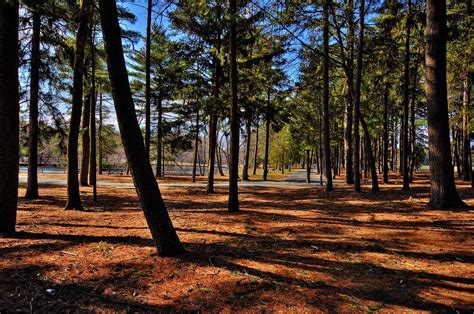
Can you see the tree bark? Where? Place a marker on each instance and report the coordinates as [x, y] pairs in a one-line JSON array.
[[148, 79], [385, 135], [267, 145], [255, 156], [443, 190], [358, 82], [233, 203], [9, 115], [412, 121], [406, 82], [73, 195], [159, 141], [92, 127], [466, 169], [84, 174], [326, 139], [213, 120], [370, 156], [245, 170], [196, 146], [32, 185], [101, 149], [308, 167], [350, 99], [158, 220]]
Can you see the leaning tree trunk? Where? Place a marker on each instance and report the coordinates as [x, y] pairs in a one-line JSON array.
[[326, 138], [245, 171], [443, 190], [466, 168], [358, 82], [73, 195], [406, 82], [233, 203], [219, 161], [86, 143], [159, 222], [9, 115], [32, 186]]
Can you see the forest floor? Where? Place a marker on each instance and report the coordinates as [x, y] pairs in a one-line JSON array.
[[288, 250]]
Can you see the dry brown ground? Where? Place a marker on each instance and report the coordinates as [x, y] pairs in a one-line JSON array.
[[298, 250]]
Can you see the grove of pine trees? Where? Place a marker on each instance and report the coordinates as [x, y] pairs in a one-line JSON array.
[[369, 96]]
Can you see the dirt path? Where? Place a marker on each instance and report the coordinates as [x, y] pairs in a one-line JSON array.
[[296, 179]]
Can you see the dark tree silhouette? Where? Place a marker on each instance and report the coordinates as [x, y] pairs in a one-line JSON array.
[[92, 128], [9, 115], [385, 135], [406, 82], [73, 194], [358, 83], [443, 189], [326, 138], [158, 220], [233, 204]]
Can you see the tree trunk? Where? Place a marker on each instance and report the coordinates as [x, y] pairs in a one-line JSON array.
[[456, 162], [267, 145], [196, 146], [219, 162], [412, 121], [73, 195], [308, 167], [233, 203], [395, 144], [245, 170], [326, 139], [400, 151], [32, 186], [217, 71], [158, 220], [358, 82], [370, 156], [406, 82], [148, 79], [466, 169], [84, 174], [159, 140], [255, 156], [443, 190], [350, 99], [385, 135], [9, 115], [92, 128], [100, 135]]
